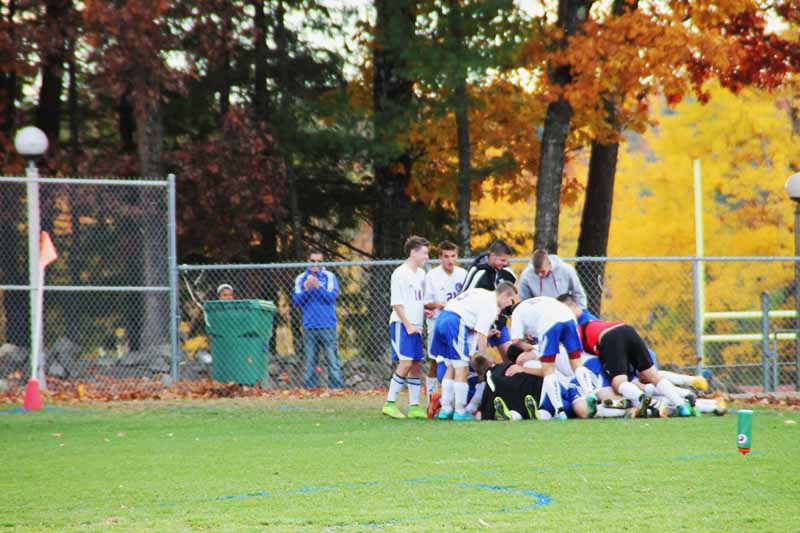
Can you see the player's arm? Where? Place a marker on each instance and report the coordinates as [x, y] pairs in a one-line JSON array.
[[411, 329]]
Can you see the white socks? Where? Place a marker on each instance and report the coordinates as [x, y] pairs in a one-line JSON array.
[[431, 386], [461, 392], [552, 390], [395, 386], [448, 395], [677, 379], [475, 402], [609, 412], [414, 388], [670, 391], [631, 391]]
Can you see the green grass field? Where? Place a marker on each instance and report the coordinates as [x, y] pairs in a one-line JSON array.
[[337, 464]]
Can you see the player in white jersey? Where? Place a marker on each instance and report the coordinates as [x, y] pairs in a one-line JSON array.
[[462, 331], [547, 323], [442, 284], [405, 328]]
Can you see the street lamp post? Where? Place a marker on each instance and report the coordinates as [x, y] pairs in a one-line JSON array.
[[31, 143], [793, 190]]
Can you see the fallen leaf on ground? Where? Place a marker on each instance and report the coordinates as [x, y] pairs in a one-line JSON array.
[[57, 435]]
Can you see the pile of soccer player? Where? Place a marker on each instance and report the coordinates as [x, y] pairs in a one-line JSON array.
[[558, 360]]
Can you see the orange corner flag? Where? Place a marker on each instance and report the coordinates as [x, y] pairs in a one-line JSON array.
[[47, 252]]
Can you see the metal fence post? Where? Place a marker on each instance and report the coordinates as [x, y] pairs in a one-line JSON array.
[[698, 315], [765, 338], [173, 275], [35, 280]]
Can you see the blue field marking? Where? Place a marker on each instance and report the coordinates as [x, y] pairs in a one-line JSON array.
[[540, 499], [21, 410]]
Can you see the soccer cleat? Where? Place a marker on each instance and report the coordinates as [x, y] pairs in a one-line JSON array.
[[699, 383], [391, 409], [591, 401], [691, 399], [658, 409], [466, 417], [722, 407], [532, 407], [617, 403], [445, 415], [415, 411], [684, 410], [561, 415], [501, 411], [434, 405], [644, 403]]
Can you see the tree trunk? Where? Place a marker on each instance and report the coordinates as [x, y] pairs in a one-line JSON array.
[[596, 220], [260, 104], [48, 111], [597, 208], [126, 124], [149, 142], [72, 105], [13, 266], [393, 99], [8, 84], [286, 122], [571, 14], [462, 128]]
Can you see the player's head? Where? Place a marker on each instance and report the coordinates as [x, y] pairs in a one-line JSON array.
[[481, 365], [416, 248], [314, 260], [499, 254], [448, 255], [513, 352], [505, 293], [225, 292], [570, 301], [541, 263]]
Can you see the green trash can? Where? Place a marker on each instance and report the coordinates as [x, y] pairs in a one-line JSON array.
[[239, 331]]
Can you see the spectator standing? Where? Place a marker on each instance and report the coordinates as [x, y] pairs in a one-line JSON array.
[[548, 275], [315, 292]]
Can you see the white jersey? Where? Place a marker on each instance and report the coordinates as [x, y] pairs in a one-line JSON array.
[[533, 317], [408, 289], [442, 287], [477, 308]]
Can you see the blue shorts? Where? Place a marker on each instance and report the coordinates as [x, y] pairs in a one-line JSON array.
[[561, 333], [405, 347], [451, 338], [501, 339]]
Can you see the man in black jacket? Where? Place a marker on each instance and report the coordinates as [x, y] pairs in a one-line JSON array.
[[486, 272]]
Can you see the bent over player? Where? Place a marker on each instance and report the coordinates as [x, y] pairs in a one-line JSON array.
[[464, 324]]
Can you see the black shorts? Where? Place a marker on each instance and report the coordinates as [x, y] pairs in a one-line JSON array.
[[511, 389], [622, 349]]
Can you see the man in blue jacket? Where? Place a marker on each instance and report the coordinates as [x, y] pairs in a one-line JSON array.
[[315, 292]]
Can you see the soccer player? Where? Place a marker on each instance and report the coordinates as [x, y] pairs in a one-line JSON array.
[[619, 348], [487, 272], [405, 328], [442, 284], [547, 323], [464, 325]]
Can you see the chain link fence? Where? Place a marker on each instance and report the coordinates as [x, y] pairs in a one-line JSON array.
[[115, 290], [107, 298], [655, 295]]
